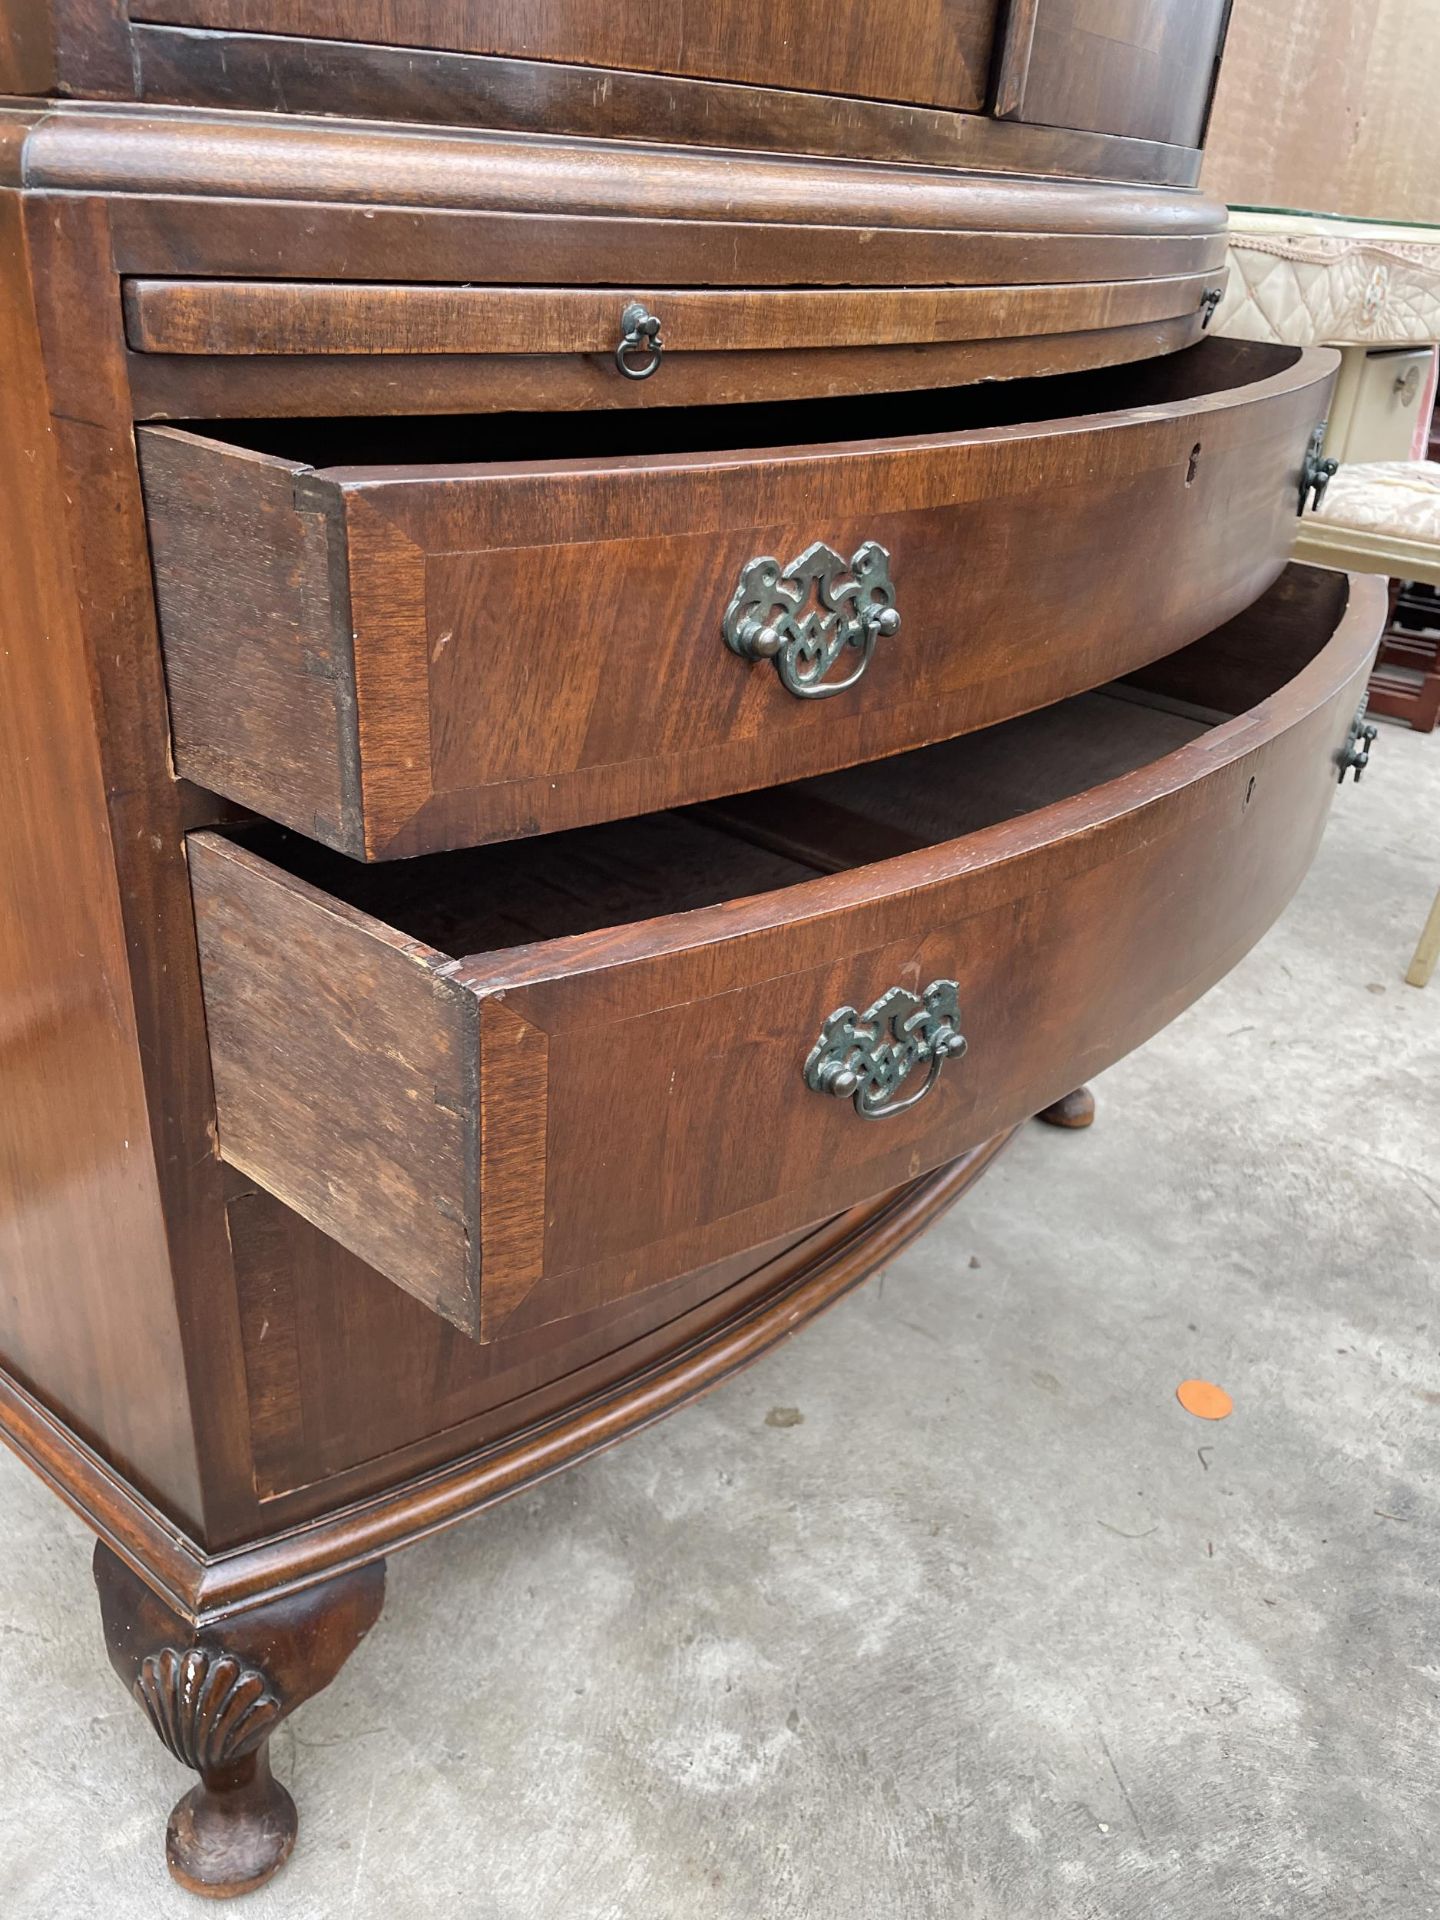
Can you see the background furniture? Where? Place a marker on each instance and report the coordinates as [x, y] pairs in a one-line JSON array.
[[1373, 291], [1427, 951], [1405, 684], [548, 825]]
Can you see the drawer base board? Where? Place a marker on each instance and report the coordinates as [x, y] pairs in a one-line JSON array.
[[206, 1589], [218, 1648]]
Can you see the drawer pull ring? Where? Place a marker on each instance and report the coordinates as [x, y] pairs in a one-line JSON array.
[[1315, 472], [770, 616], [640, 333], [1209, 301], [869, 1056]]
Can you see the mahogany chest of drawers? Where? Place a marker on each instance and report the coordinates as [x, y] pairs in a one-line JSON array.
[[630, 634]]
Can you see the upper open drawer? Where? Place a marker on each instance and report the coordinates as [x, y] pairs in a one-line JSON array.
[[399, 636]]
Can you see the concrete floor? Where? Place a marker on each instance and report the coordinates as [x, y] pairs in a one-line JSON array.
[[946, 1608]]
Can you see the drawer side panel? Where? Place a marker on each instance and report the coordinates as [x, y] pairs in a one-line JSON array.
[[255, 632], [345, 1073]]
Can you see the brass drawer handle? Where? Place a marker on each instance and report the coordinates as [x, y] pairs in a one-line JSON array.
[[767, 618], [1315, 473], [869, 1056], [1354, 756], [639, 333]]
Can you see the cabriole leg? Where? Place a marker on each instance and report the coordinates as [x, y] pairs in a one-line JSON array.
[[215, 1693]]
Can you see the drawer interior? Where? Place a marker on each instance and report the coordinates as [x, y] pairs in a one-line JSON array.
[[495, 899], [358, 447]]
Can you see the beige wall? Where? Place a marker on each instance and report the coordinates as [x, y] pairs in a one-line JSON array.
[[1332, 106]]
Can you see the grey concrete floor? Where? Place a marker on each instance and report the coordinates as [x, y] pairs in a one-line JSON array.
[[946, 1608]]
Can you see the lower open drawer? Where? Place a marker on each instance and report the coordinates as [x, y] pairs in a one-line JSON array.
[[528, 1080]]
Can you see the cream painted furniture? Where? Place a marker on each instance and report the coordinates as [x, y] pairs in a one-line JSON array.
[[1379, 516], [1373, 291], [1302, 279], [1427, 952]]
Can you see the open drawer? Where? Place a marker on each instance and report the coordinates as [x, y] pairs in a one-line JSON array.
[[524, 1082], [395, 646]]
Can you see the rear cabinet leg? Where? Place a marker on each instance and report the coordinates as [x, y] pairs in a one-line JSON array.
[[215, 1693], [1076, 1109]]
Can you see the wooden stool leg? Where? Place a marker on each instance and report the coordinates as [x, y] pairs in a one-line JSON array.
[[1075, 1109], [1428, 950], [215, 1693]]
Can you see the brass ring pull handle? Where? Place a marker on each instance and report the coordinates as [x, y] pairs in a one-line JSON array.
[[867, 1057], [640, 334], [770, 616]]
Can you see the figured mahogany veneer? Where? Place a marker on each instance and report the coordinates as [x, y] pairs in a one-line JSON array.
[[287, 74], [1093, 274], [395, 652], [507, 1078], [889, 49], [163, 152], [264, 317]]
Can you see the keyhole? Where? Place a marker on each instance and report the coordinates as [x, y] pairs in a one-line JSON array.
[[1194, 463]]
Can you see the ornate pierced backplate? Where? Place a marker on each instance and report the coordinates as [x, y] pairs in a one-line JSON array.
[[868, 1057], [813, 614]]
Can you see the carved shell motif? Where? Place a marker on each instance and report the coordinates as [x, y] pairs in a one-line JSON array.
[[207, 1707]]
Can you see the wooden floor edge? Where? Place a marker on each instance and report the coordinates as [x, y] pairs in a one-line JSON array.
[[206, 1587]]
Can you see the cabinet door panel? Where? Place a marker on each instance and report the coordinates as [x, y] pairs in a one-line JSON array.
[[1137, 67], [931, 51]]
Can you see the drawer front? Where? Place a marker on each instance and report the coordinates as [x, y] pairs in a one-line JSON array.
[[936, 51], [399, 661], [243, 318], [1390, 392], [552, 1128], [767, 279]]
